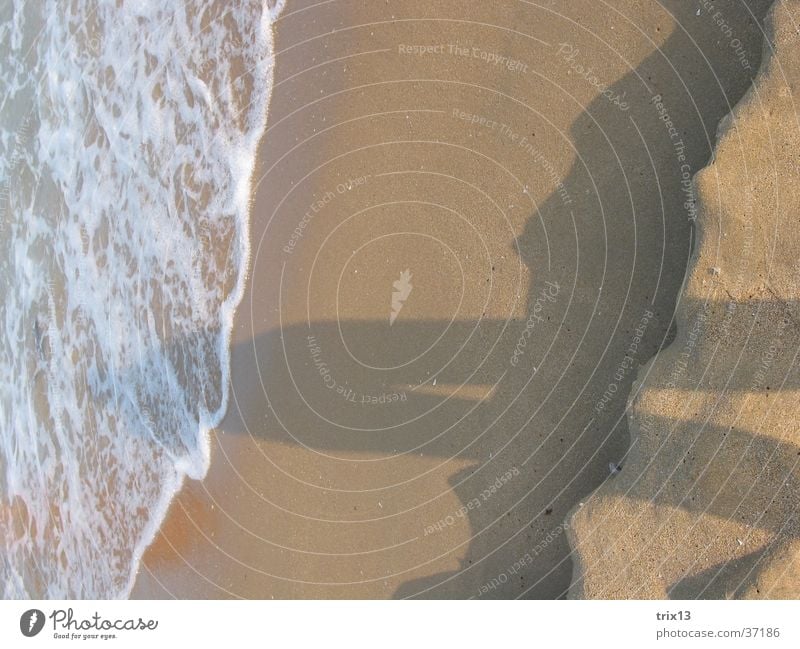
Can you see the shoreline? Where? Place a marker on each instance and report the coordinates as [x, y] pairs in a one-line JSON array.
[[229, 308]]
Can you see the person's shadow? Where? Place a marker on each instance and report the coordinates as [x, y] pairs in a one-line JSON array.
[[529, 397]]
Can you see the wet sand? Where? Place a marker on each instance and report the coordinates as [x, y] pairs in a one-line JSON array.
[[429, 433]]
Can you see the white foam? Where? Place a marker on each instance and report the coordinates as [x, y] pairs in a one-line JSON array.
[[128, 138]]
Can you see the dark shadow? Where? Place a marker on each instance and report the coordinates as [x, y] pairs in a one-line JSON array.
[[559, 458]]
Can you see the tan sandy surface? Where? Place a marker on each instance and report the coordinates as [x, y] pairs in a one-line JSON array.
[[539, 209], [708, 503]]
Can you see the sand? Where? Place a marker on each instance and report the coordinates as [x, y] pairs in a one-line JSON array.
[[708, 503], [440, 432]]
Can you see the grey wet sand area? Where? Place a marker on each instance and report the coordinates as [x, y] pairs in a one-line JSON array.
[[470, 228]]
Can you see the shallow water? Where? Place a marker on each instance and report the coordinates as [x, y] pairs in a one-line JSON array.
[[128, 135]]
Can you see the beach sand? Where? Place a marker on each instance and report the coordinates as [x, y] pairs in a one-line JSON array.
[[438, 443], [707, 505]]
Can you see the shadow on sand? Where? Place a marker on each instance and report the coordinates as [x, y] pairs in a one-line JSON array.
[[527, 394], [618, 248]]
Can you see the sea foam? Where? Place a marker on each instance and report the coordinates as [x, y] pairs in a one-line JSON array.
[[128, 136]]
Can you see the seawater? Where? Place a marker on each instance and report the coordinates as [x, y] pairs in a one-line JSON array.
[[128, 136]]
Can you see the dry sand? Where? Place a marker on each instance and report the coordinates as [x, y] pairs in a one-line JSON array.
[[708, 503], [540, 212]]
